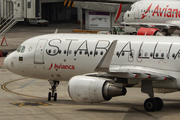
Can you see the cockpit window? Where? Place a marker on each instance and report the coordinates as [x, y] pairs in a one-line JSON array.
[[21, 49], [130, 8]]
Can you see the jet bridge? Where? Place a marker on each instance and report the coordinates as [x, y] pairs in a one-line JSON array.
[[12, 11]]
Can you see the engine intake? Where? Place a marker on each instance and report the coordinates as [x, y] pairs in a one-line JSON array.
[[93, 89]]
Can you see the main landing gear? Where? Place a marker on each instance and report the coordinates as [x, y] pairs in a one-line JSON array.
[[153, 103], [53, 84]]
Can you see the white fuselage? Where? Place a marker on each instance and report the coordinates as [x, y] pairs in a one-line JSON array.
[[62, 56], [153, 12]]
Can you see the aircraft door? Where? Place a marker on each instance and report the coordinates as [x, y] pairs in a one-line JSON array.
[[39, 52], [137, 11], [18, 9]]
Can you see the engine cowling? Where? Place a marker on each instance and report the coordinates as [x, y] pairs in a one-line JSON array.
[[149, 32], [93, 89]]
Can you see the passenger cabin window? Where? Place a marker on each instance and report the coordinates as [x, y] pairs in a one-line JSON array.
[[70, 51], [59, 51], [123, 53], [178, 55], [54, 51], [91, 52], [173, 55], [75, 52], [80, 52], [151, 54], [117, 53], [101, 53], [145, 54], [86, 52], [162, 54], [64, 51], [157, 54]]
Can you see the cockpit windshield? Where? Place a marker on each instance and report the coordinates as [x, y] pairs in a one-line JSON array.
[[21, 49], [18, 49], [130, 8]]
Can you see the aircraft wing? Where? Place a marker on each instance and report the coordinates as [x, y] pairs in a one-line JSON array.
[[131, 75], [167, 25]]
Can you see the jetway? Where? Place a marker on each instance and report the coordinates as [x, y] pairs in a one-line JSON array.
[[19, 8], [12, 11]]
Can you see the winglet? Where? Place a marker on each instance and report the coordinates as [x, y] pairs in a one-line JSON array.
[[105, 62], [56, 31]]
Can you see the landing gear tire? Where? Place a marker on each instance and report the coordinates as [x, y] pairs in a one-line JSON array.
[[150, 105], [49, 96], [53, 93], [55, 96], [160, 103]]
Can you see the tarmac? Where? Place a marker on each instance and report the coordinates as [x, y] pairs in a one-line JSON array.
[[26, 98]]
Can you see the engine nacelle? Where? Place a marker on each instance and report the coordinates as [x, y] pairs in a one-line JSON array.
[[149, 32], [93, 89]]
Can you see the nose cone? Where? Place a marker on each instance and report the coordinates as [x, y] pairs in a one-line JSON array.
[[125, 16], [6, 62]]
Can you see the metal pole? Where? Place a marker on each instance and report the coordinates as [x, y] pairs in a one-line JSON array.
[[81, 18]]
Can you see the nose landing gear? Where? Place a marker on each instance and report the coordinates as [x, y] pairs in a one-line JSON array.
[[53, 84]]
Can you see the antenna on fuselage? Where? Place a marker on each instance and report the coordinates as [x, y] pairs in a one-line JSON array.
[[56, 31]]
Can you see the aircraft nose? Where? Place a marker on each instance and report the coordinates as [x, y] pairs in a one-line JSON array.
[[125, 14], [6, 62]]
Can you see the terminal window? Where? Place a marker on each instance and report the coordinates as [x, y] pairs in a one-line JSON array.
[[29, 4]]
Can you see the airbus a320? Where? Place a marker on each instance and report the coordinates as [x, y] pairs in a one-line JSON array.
[[99, 67]]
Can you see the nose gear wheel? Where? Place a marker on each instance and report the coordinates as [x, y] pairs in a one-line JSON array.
[[53, 93]]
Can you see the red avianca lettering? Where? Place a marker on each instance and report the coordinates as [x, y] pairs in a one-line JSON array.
[[61, 66], [163, 12]]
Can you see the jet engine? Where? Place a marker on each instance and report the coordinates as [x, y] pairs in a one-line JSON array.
[[149, 32], [93, 89]]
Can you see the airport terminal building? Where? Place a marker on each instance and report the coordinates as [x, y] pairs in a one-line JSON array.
[[94, 15]]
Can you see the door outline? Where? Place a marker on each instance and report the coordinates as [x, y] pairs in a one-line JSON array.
[[39, 52], [137, 11]]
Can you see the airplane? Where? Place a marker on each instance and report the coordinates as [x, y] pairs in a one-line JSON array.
[[99, 67], [164, 15]]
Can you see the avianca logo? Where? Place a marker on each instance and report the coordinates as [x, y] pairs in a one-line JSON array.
[[148, 9], [61, 66], [163, 12]]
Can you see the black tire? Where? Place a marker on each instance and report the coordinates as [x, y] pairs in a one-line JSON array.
[[55, 97], [39, 24], [160, 103], [150, 105], [49, 96]]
